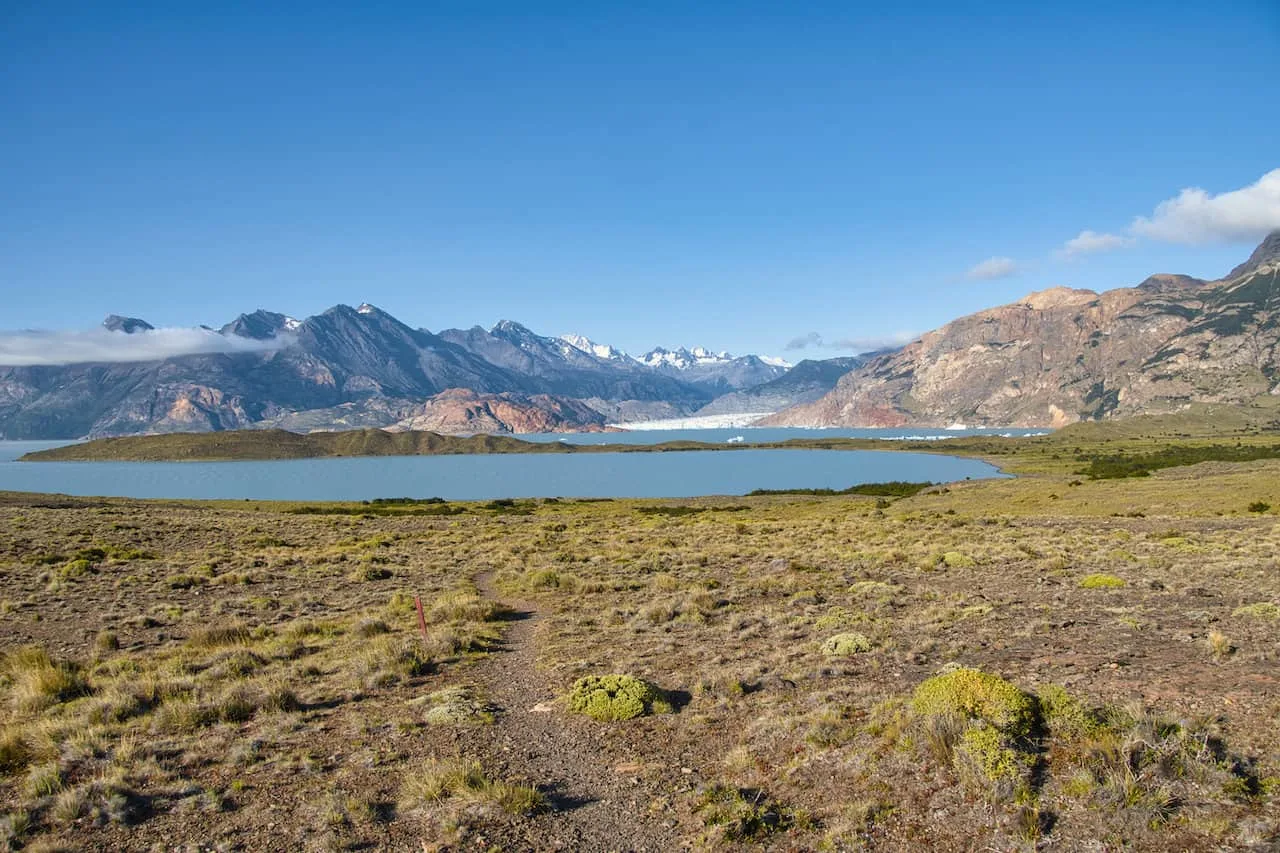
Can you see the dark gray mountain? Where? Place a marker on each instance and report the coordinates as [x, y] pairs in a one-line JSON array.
[[554, 366], [715, 373], [260, 325], [128, 325], [804, 383], [345, 365]]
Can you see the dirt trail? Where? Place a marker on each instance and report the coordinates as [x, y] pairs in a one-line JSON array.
[[587, 770]]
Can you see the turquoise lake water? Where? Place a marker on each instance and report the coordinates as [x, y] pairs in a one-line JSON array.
[[646, 475]]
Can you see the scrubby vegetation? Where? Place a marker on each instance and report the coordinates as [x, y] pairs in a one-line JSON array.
[[840, 672], [610, 698], [1118, 465], [892, 489]]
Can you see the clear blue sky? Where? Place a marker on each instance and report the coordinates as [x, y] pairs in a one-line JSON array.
[[734, 175]]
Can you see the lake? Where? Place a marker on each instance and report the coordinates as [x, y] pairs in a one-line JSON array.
[[641, 475]]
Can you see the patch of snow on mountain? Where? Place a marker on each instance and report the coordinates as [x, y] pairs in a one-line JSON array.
[[590, 347], [683, 358], [774, 361], [291, 325]]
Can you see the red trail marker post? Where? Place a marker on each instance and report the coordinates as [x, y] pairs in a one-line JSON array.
[[422, 619]]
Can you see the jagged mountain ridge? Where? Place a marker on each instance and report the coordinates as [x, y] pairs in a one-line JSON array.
[[346, 366], [717, 373], [1063, 355]]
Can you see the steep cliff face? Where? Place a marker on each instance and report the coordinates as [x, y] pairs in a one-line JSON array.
[[1063, 355]]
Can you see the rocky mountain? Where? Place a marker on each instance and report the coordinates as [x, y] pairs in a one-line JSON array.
[[804, 383], [554, 366], [1268, 252], [587, 345], [128, 325], [462, 411], [260, 325], [716, 373], [344, 367], [1063, 355]]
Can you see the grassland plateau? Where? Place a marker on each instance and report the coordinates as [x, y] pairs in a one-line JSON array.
[[1083, 657]]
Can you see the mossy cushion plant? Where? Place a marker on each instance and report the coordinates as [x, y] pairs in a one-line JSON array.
[[971, 694], [616, 697], [849, 643], [986, 723], [1101, 581]]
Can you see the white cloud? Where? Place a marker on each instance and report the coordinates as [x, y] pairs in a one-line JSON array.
[[1088, 242], [992, 268], [1194, 216], [37, 347]]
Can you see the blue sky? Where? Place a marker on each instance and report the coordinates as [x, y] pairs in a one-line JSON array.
[[731, 175]]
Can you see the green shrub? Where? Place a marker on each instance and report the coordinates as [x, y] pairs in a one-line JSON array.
[[76, 568], [616, 697], [984, 723], [1260, 610], [1259, 506], [970, 694], [983, 758], [744, 816], [1066, 716], [848, 643], [1101, 581], [370, 572]]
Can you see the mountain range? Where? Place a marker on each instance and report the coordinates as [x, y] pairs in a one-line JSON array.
[[1052, 358], [361, 367]]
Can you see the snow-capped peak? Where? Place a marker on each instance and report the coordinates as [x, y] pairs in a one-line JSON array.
[[774, 361], [365, 308], [291, 325], [682, 357], [590, 347]]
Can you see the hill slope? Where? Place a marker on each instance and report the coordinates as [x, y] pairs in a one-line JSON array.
[[1063, 355]]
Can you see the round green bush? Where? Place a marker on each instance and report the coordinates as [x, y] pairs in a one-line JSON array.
[[1101, 581], [616, 697], [849, 643], [970, 694]]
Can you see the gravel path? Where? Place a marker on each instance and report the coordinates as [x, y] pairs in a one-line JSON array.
[[593, 774]]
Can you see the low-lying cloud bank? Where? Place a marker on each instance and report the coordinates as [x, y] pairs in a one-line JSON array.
[[28, 348]]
